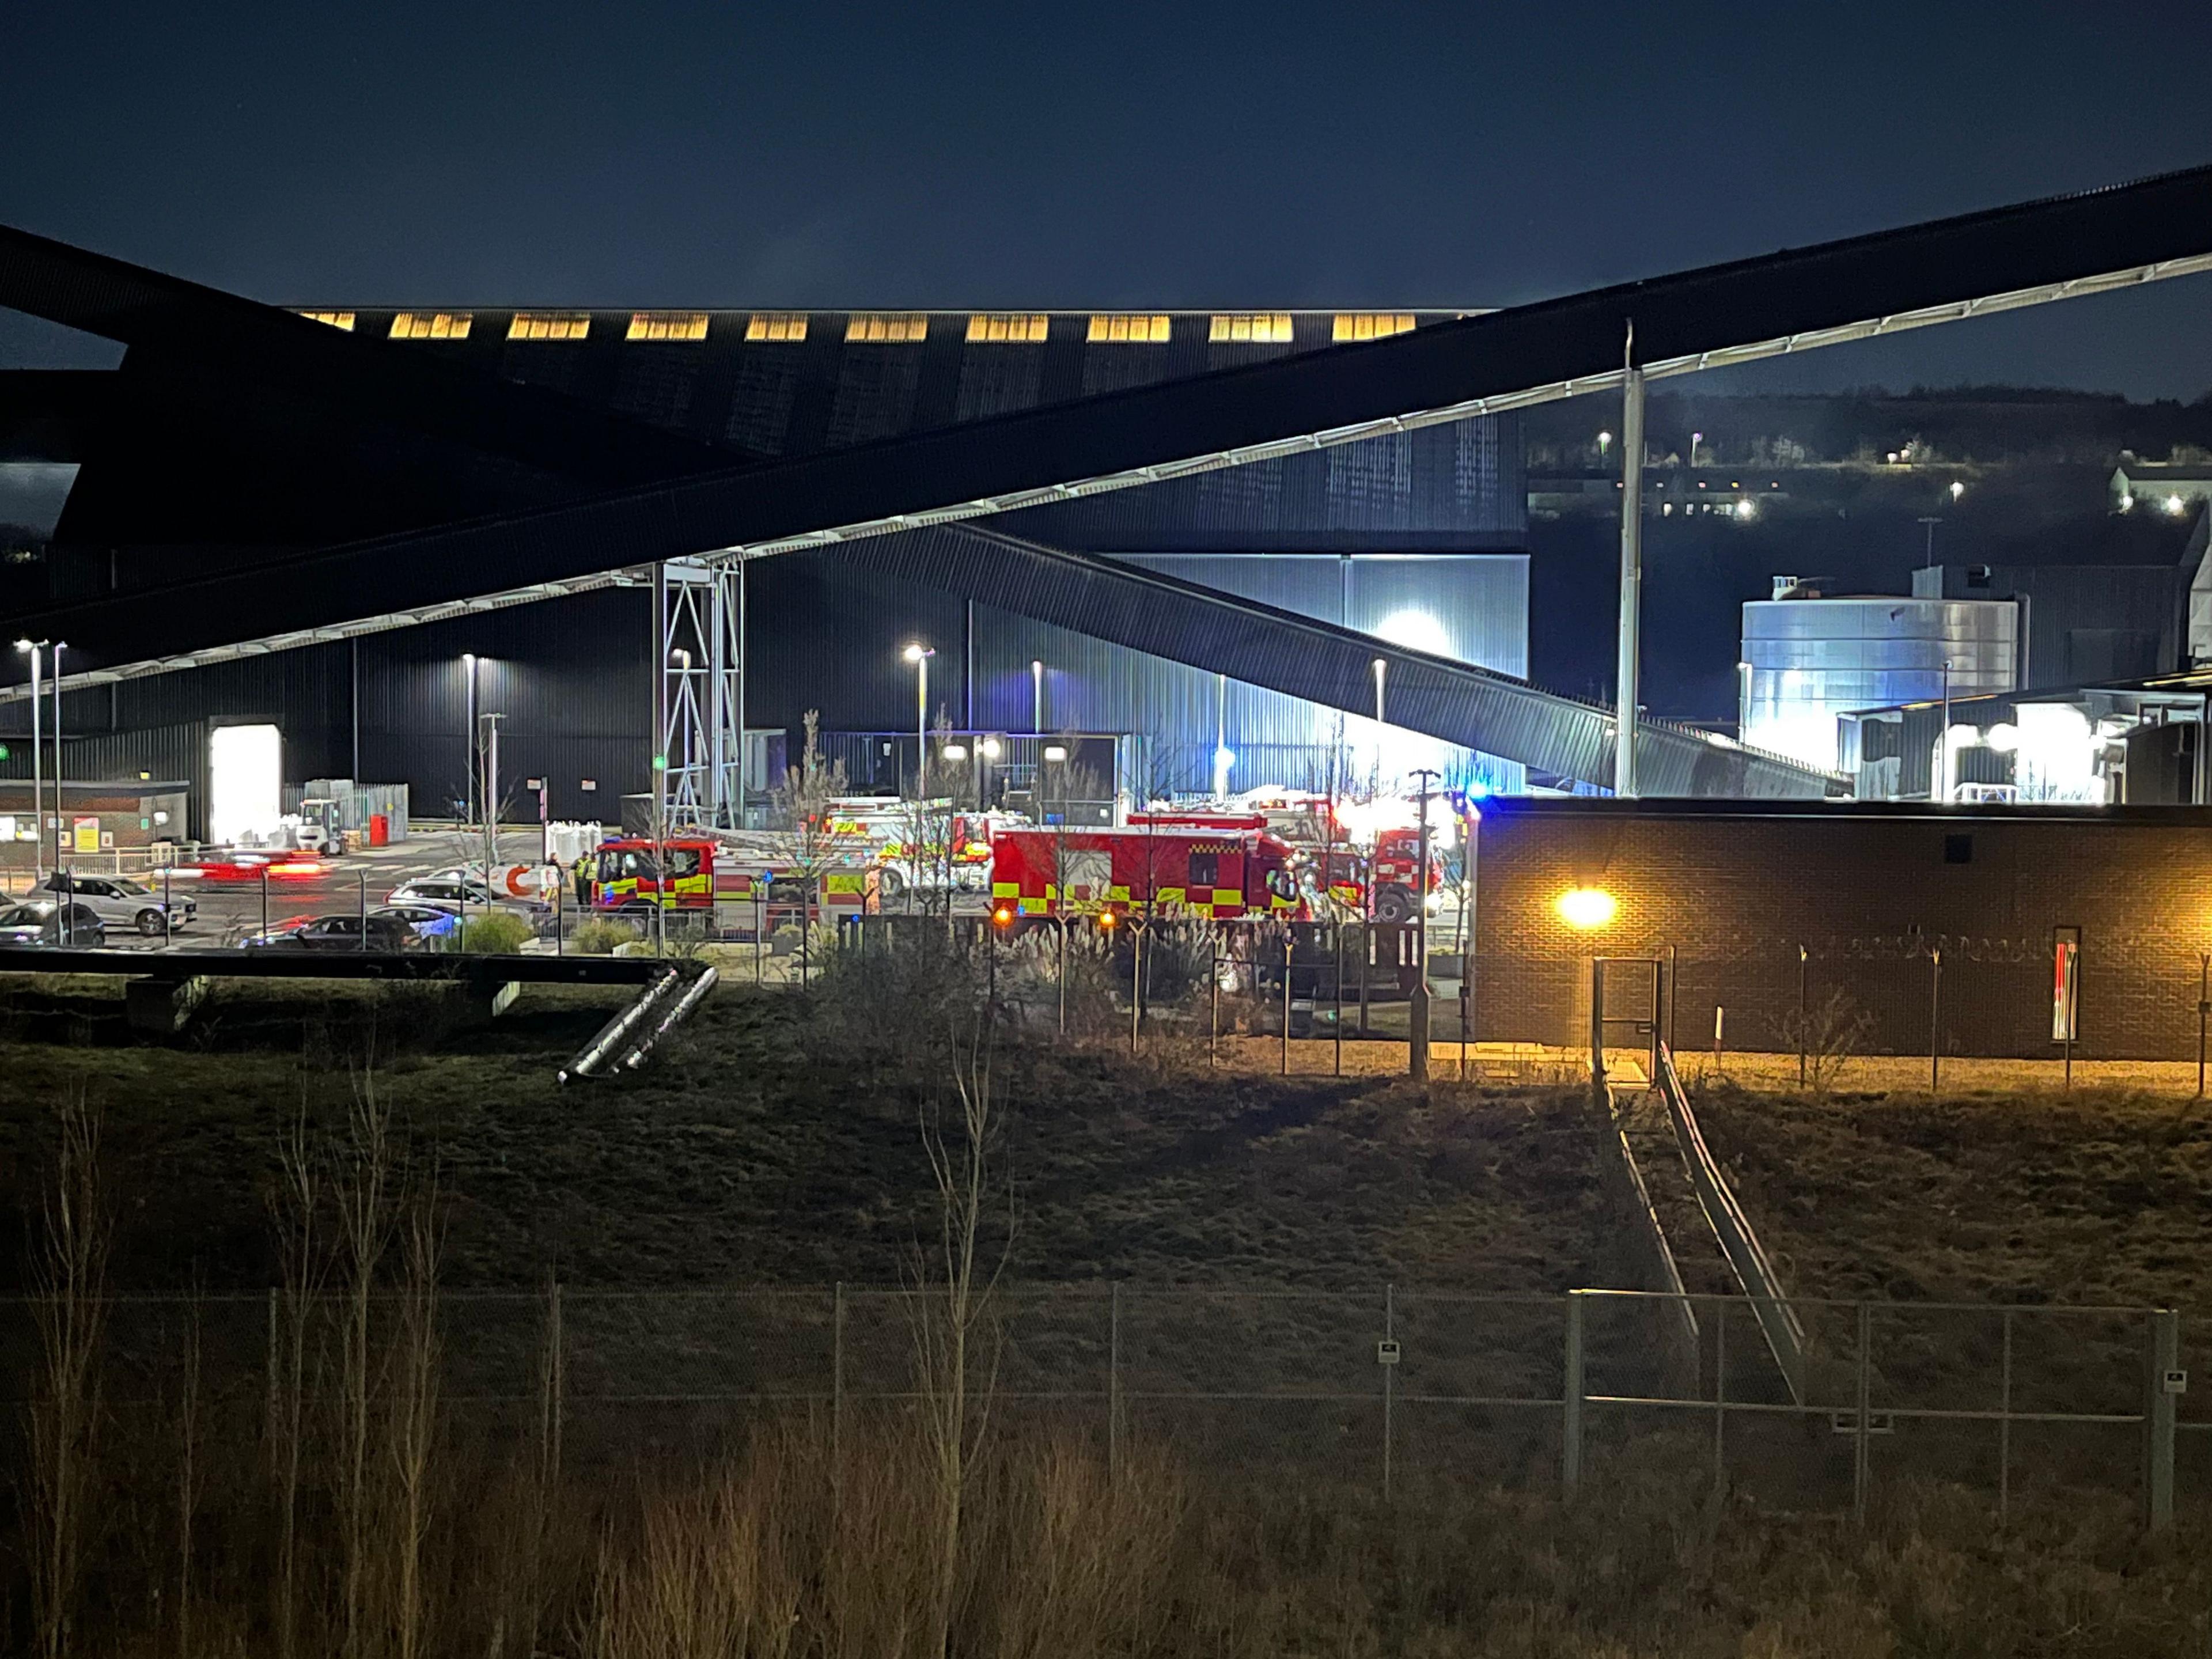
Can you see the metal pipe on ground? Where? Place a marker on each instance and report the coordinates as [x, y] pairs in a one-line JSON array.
[[594, 1054], [675, 1016]]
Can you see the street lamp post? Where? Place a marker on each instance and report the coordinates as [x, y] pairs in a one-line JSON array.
[[1418, 1014], [1036, 695], [469, 690], [31, 649], [61, 813], [918, 654]]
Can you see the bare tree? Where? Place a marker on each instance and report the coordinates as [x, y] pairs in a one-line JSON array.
[[1830, 1033], [68, 1274], [803, 799], [954, 1297]]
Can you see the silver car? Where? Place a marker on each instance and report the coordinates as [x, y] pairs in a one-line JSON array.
[[119, 902]]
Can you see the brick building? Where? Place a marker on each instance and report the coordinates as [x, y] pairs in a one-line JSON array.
[[1731, 890]]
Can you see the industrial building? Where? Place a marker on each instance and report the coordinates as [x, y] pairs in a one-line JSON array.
[[1414, 537], [374, 530]]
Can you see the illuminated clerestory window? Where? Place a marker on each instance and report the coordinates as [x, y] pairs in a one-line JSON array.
[[667, 326], [335, 318], [549, 326], [1371, 324], [1250, 328], [785, 326], [1016, 327], [1123, 330], [888, 328], [432, 326]]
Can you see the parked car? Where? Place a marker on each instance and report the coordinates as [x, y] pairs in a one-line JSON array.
[[45, 922], [338, 933], [119, 901], [427, 921], [454, 892]]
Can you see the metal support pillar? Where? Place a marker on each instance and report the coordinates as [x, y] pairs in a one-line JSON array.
[[700, 708], [663, 657], [1631, 570]]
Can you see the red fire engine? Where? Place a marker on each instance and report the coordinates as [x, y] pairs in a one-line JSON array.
[[1220, 867], [624, 874]]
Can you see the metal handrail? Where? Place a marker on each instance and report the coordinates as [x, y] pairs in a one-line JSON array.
[[1762, 1287]]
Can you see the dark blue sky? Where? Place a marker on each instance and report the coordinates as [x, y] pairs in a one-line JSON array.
[[823, 156]]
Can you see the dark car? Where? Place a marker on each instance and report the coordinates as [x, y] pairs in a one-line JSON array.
[[44, 922], [339, 932], [425, 921]]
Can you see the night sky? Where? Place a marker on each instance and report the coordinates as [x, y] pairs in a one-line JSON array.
[[1065, 156]]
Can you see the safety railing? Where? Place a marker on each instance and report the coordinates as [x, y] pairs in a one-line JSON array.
[[1778, 1321]]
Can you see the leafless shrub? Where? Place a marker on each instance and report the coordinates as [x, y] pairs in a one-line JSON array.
[[1830, 1034]]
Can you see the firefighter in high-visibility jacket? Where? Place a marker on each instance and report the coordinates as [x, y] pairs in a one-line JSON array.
[[586, 871]]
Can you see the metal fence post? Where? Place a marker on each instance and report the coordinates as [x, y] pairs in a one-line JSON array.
[[2159, 1415], [1389, 1391], [270, 1419], [837, 1375], [1287, 942], [1859, 1472], [1114, 1383], [1571, 1400], [1720, 1392], [2004, 1428]]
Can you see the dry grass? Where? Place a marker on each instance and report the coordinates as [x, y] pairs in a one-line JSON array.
[[2093, 1197]]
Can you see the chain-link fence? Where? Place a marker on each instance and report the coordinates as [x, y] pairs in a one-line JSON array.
[[1373, 1390]]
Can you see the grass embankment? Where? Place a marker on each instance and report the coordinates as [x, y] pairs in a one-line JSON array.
[[776, 1142], [345, 1504], [2100, 1196]]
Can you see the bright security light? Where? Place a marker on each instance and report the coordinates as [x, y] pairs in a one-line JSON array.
[[1957, 489], [245, 773], [917, 651], [1055, 752], [956, 751], [2174, 504], [1416, 630], [1587, 907], [989, 749]]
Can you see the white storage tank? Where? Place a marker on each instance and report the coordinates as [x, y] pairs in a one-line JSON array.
[[1808, 657]]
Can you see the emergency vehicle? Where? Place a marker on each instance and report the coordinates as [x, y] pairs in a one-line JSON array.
[[624, 874], [873, 828], [1219, 867], [1326, 857]]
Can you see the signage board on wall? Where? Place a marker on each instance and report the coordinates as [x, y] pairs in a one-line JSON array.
[[2066, 985]]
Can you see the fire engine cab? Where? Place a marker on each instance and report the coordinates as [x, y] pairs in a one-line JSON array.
[[1220, 867], [624, 874]]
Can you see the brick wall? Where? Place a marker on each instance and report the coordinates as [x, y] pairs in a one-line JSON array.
[[1870, 893]]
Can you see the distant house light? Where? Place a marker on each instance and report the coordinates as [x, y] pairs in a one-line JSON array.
[[886, 328], [1016, 328], [342, 319], [1124, 329], [776, 325], [1250, 328], [1378, 325], [432, 326], [667, 326], [549, 325]]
